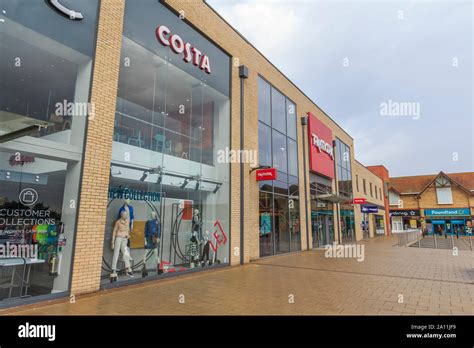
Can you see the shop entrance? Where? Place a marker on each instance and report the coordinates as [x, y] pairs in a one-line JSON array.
[[458, 227], [439, 227], [322, 227]]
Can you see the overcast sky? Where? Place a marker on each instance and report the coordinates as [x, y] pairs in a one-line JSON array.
[[351, 57]]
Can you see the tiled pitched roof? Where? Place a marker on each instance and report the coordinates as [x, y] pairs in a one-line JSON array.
[[412, 184]]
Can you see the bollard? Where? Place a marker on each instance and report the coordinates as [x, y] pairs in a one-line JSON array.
[[452, 242], [470, 242], [419, 240], [436, 242]]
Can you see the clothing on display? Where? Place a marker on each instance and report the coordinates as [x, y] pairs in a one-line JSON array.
[[120, 245], [152, 233], [126, 207], [205, 252], [193, 251], [129, 210], [122, 228]]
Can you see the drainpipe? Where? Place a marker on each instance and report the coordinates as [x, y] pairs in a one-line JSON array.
[[243, 74], [304, 122]]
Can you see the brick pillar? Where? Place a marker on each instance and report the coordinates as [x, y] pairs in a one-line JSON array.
[[98, 150]]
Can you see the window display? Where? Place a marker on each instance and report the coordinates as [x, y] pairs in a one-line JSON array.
[[166, 181], [44, 65]]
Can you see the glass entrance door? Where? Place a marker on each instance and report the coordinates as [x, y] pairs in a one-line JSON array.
[[439, 227], [458, 227], [322, 227]]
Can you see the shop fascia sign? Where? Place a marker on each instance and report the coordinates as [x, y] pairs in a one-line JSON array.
[[359, 201], [322, 145], [369, 209], [405, 213], [178, 46], [445, 212], [266, 174]]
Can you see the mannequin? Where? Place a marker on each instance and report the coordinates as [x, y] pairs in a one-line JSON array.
[[193, 251], [196, 223], [120, 237], [205, 251], [129, 210], [152, 241]]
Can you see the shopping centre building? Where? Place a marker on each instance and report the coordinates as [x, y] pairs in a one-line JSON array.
[[441, 204], [127, 134]]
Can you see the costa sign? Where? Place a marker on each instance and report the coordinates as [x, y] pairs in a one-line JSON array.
[[320, 150], [178, 46]]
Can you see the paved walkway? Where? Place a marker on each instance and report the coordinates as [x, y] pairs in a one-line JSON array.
[[391, 280]]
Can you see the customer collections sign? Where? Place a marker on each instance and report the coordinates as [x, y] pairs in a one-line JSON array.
[[321, 150]]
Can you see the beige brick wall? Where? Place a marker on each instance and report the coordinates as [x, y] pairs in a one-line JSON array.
[[407, 202], [361, 173], [98, 151]]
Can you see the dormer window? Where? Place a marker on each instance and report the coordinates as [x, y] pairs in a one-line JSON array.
[[443, 191]]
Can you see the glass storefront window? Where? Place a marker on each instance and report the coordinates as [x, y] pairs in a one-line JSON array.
[[278, 148], [168, 205], [295, 230], [266, 223], [278, 111], [45, 73], [292, 158], [344, 184], [281, 215], [291, 119], [264, 144], [264, 102]]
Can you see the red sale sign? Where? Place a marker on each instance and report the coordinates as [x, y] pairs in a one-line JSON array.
[[321, 153], [266, 174]]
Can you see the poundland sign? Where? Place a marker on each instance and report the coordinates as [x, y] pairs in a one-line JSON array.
[[447, 212], [178, 46]]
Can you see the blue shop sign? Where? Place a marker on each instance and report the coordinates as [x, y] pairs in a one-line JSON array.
[[448, 212], [369, 209]]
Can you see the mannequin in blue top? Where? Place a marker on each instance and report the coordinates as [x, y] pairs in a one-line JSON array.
[[129, 209], [152, 241]]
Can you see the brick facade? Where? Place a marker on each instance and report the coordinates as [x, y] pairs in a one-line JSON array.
[[359, 175]]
